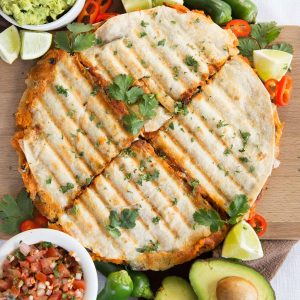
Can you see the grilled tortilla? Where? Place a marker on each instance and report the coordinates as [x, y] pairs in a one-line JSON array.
[[227, 139], [69, 131], [172, 52], [164, 234]]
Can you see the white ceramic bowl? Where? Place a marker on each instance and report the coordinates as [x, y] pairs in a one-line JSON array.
[[65, 19], [60, 239]]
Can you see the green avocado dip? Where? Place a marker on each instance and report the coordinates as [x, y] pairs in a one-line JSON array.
[[35, 12]]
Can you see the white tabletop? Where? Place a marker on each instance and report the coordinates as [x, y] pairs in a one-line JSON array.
[[287, 281]]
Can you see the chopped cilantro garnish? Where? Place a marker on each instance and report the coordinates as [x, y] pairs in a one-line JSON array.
[[194, 184], [180, 108], [161, 42], [67, 187], [132, 123], [221, 123], [49, 180], [155, 220], [171, 126], [191, 62], [128, 152], [61, 90], [142, 34], [147, 105], [151, 247]]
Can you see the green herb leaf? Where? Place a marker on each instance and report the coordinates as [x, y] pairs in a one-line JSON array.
[[191, 62], [14, 211], [120, 85], [132, 123], [194, 184], [79, 27], [161, 42], [83, 41], [238, 207], [128, 152], [62, 41], [265, 33], [133, 94], [155, 220], [151, 247], [180, 108], [247, 46], [128, 218], [74, 210], [67, 187], [209, 218], [61, 90], [114, 232], [283, 47], [148, 105]]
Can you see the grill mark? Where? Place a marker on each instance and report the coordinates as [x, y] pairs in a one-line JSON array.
[[182, 150], [221, 141], [227, 97], [86, 137], [154, 208], [100, 226], [164, 196], [120, 195], [66, 138], [213, 158]]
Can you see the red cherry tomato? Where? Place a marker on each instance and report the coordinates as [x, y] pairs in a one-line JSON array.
[[283, 94], [258, 223], [240, 28], [27, 225], [40, 221]]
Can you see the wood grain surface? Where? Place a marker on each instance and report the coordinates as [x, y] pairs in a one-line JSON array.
[[281, 200]]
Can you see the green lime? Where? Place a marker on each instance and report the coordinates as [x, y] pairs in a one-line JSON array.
[[35, 44], [242, 243], [10, 44], [271, 64]]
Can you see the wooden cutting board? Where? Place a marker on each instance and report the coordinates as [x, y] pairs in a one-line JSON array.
[[281, 201]]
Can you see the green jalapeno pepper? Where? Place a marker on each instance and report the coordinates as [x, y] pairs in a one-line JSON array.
[[218, 10], [243, 9], [118, 286]]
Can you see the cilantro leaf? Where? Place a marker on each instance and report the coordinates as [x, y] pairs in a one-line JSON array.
[[79, 27], [247, 46], [151, 247], [128, 218], [265, 33], [14, 211], [62, 41], [83, 41], [117, 90], [132, 123], [148, 105], [210, 218], [191, 62], [237, 208], [134, 94], [114, 232], [283, 47]]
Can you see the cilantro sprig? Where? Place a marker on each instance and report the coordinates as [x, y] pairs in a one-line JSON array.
[[122, 90], [77, 39], [126, 219], [262, 34], [13, 211], [211, 218]]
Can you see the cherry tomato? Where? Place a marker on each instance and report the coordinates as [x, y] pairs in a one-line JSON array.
[[283, 93], [272, 87], [40, 221], [79, 284], [258, 223], [240, 28], [89, 12], [104, 16], [27, 225]]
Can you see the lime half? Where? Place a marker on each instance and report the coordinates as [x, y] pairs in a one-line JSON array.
[[271, 64], [242, 243], [10, 44], [35, 44]]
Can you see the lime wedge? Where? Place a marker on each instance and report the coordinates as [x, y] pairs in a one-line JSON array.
[[271, 64], [133, 5], [242, 243], [10, 44], [35, 44]]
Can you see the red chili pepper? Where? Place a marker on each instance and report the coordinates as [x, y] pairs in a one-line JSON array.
[[272, 87], [27, 225], [104, 5], [104, 16], [89, 12], [284, 89], [258, 223], [240, 28]]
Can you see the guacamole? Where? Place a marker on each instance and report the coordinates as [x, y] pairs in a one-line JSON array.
[[35, 12]]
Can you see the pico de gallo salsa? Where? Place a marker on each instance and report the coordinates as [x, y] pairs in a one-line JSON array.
[[42, 271]]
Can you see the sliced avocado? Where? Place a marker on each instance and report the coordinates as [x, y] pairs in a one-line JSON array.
[[206, 274], [175, 288]]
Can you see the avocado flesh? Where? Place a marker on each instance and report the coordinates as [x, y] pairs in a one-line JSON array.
[[175, 288], [205, 274]]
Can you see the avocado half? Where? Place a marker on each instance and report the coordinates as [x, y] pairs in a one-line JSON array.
[[205, 275]]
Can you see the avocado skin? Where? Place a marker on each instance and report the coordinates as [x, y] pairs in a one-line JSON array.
[[205, 274]]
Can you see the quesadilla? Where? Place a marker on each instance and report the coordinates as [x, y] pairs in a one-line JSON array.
[[69, 131], [172, 52], [161, 231], [226, 140]]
